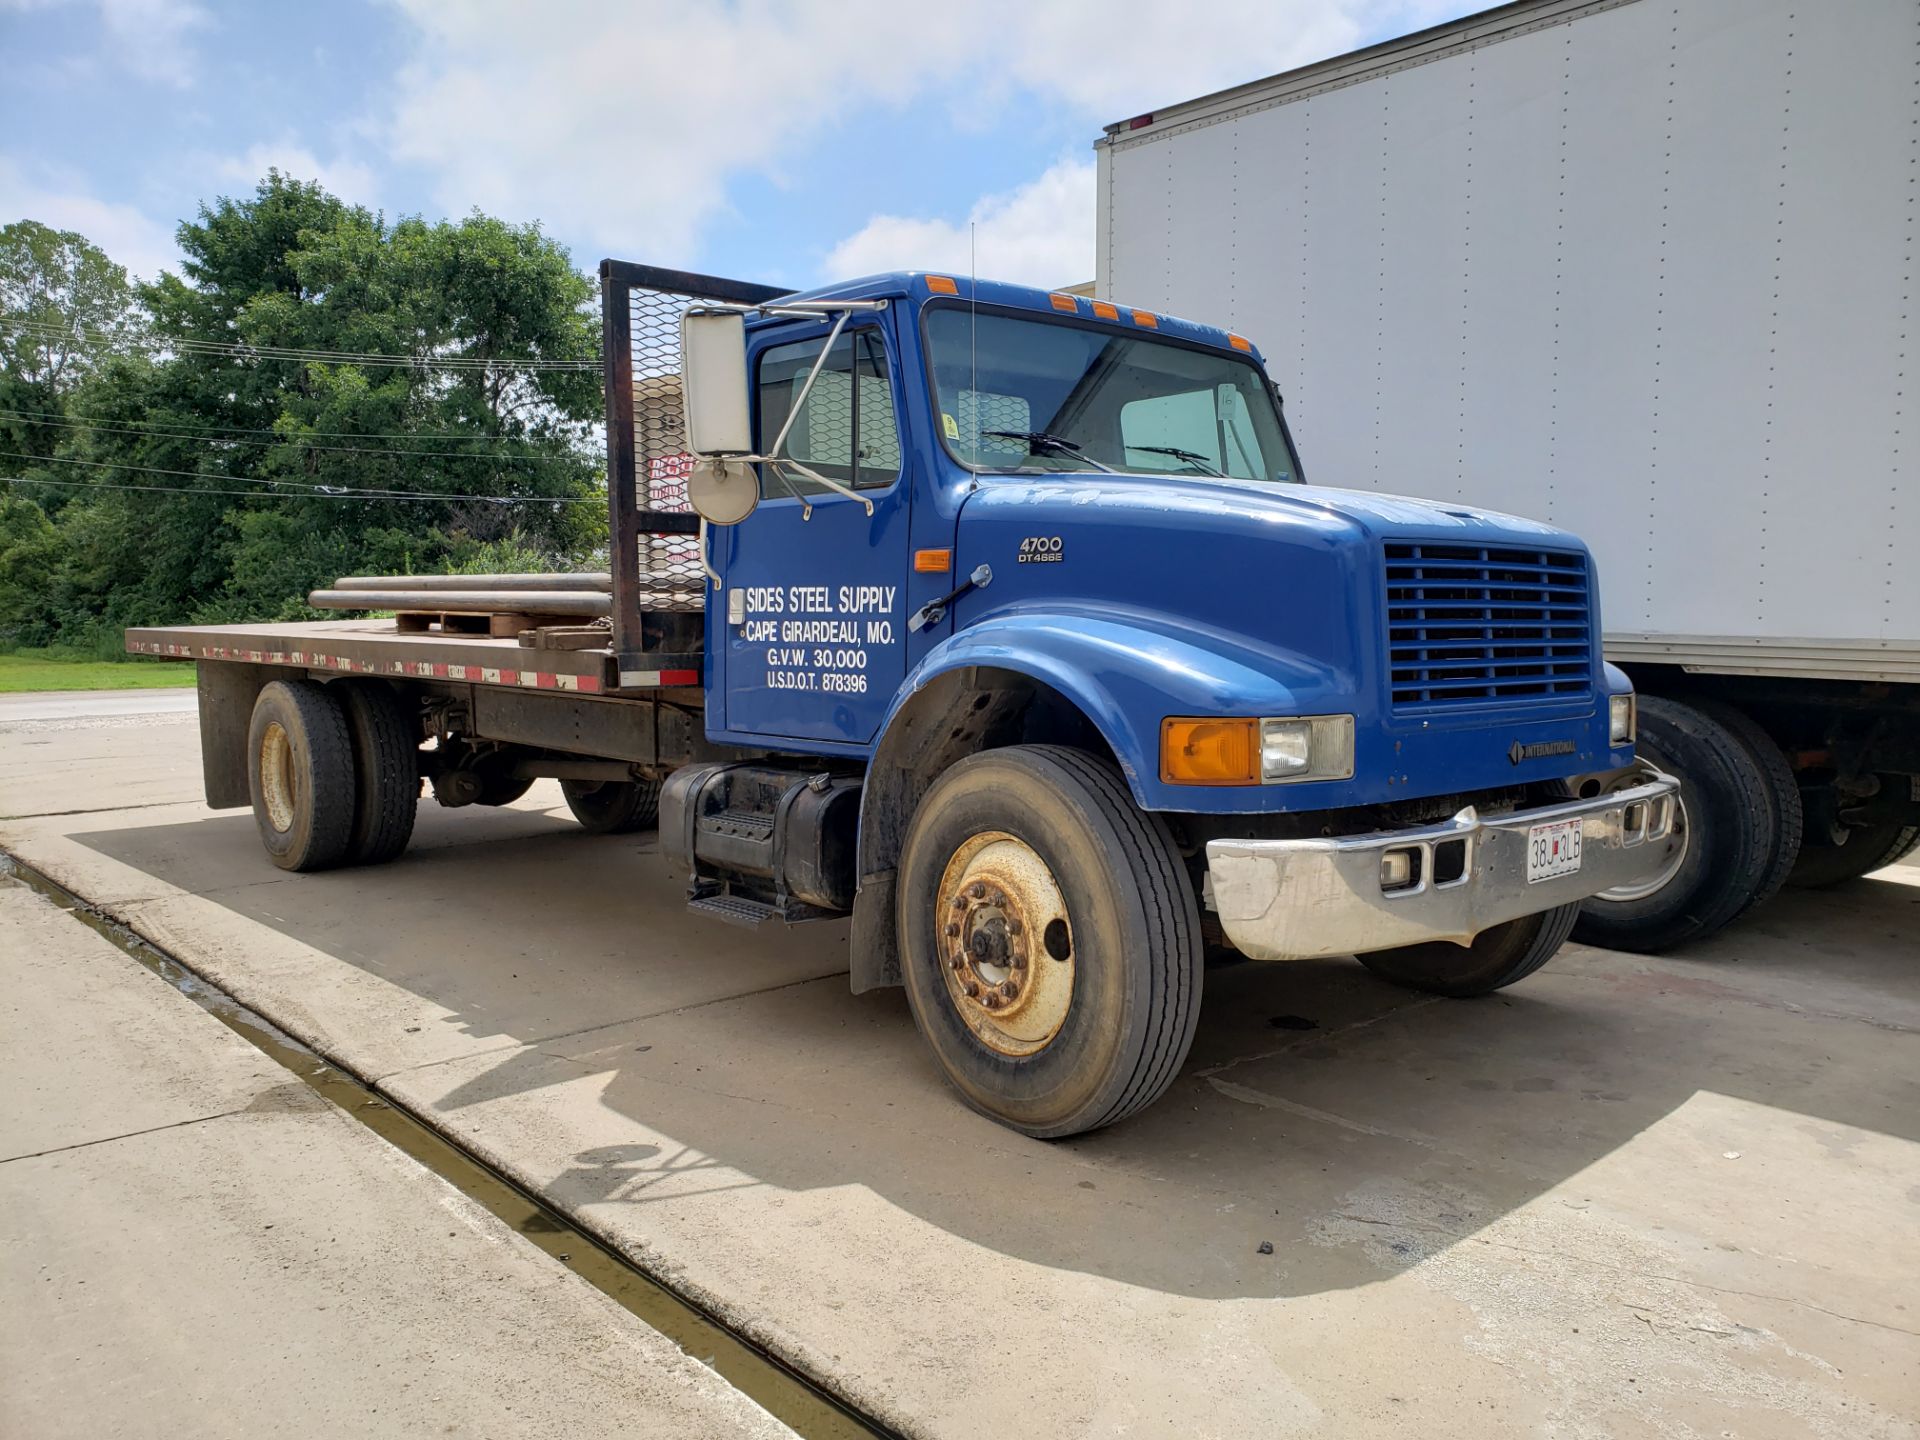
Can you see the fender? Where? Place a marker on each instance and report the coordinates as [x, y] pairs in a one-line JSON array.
[[1116, 671]]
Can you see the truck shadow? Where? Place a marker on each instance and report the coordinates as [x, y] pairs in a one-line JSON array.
[[1355, 1128]]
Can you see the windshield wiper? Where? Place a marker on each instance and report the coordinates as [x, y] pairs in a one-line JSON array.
[[1196, 460], [1041, 440]]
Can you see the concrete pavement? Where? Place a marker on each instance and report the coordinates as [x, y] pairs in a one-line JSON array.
[[94, 704], [198, 1244], [1630, 1196]]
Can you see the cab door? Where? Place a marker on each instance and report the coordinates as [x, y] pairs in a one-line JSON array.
[[814, 596]]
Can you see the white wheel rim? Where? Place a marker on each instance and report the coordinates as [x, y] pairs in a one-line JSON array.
[[279, 786], [1677, 842], [1005, 943]]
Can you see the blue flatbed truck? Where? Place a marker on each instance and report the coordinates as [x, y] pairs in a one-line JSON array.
[[1004, 622]]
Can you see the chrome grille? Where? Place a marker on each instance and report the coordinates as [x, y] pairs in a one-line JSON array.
[[1473, 624]]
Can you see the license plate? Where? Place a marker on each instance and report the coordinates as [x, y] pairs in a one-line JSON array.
[[1553, 850]]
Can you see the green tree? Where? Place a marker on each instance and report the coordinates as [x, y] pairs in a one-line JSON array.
[[62, 302], [311, 372]]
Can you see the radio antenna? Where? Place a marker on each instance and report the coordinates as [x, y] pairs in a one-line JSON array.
[[973, 337]]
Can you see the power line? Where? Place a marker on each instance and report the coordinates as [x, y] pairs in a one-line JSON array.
[[329, 434], [317, 487], [255, 495], [246, 349], [301, 442]]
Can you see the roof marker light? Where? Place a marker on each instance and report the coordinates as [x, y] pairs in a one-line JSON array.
[[1146, 318], [1240, 342], [1065, 302], [941, 285], [1105, 311]]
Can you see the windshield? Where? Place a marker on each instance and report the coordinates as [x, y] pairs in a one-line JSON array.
[[1034, 394]]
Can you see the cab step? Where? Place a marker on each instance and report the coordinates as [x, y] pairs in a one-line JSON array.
[[736, 910]]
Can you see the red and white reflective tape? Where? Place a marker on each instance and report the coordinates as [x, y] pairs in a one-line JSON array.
[[411, 669], [654, 679]]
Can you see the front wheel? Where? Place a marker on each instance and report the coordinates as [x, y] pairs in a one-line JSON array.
[[1050, 940], [1496, 958]]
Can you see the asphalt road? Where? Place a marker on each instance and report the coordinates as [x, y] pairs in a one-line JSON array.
[[1631, 1196]]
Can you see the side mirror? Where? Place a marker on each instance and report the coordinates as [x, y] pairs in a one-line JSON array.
[[713, 383]]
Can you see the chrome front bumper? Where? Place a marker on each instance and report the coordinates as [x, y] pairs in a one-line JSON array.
[[1300, 899]]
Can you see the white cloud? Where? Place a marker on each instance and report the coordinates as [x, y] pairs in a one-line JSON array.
[[144, 245], [348, 179], [149, 38], [1040, 234], [624, 124]]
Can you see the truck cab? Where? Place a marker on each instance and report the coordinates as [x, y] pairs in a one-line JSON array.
[[1037, 583]]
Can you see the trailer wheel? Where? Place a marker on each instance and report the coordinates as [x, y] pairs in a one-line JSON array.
[[1729, 824], [613, 807], [300, 774], [1496, 958], [1866, 849], [386, 755], [1050, 939]]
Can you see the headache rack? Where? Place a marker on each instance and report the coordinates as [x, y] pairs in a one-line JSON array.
[[1481, 624], [658, 596]]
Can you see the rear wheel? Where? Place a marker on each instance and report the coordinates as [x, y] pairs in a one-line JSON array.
[[1050, 940], [386, 754], [1495, 960], [1826, 861], [1728, 835], [613, 807], [300, 774]]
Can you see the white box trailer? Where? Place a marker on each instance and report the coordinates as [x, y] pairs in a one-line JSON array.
[[1644, 269]]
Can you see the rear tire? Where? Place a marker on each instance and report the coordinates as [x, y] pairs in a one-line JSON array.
[[1729, 819], [1868, 848], [613, 807], [1496, 958], [300, 774], [386, 754], [1030, 876]]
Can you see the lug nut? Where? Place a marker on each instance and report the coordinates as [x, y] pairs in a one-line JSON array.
[[959, 902], [1014, 927], [992, 1002], [972, 988], [1009, 989], [953, 928], [959, 962], [977, 890], [1019, 961]]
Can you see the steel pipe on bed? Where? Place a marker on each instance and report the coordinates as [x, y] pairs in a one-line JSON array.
[[468, 602], [601, 581]]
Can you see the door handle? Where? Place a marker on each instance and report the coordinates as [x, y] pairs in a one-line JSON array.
[[934, 611]]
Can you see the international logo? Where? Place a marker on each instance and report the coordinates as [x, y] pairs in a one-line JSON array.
[[1539, 749]]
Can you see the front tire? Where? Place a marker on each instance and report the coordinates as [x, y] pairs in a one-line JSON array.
[[1496, 959], [1050, 940], [300, 773]]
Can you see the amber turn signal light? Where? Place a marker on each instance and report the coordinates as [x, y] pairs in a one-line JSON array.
[[1210, 752], [932, 562]]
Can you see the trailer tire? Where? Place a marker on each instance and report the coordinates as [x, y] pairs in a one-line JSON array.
[[1868, 848], [1496, 958], [386, 757], [1730, 822], [1031, 867], [1781, 788], [613, 807], [300, 775]]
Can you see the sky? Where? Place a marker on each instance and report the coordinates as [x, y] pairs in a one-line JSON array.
[[786, 141]]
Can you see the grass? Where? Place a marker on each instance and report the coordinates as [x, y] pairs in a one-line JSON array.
[[23, 670]]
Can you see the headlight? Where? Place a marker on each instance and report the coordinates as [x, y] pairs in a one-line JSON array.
[[1248, 751], [1622, 718], [1309, 747]]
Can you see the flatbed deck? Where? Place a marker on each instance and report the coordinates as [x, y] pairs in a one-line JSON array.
[[376, 647]]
